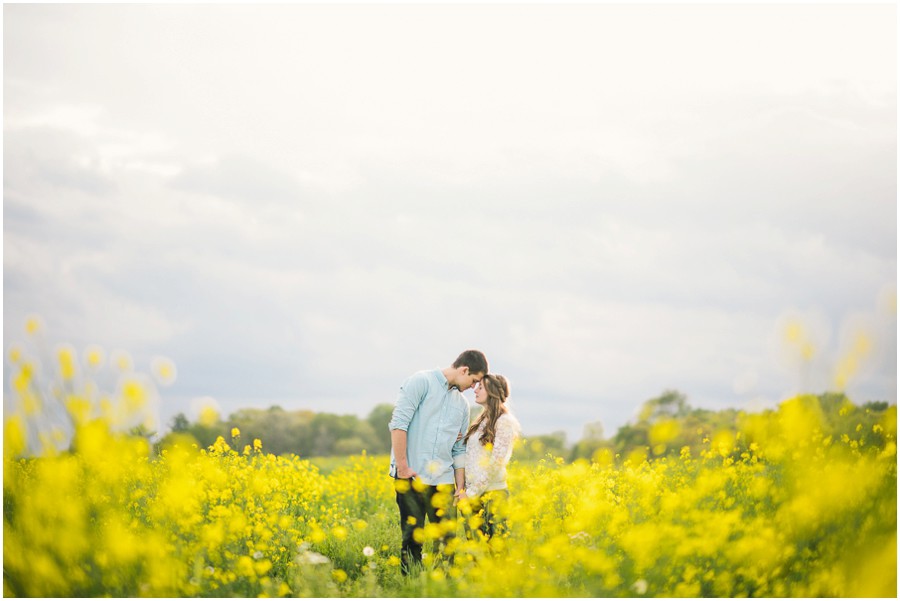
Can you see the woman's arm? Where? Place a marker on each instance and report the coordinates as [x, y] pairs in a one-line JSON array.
[[493, 459], [503, 442]]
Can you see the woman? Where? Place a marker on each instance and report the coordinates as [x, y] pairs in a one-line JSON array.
[[489, 446]]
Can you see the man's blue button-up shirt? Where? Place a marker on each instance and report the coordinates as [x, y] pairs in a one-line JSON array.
[[434, 417]]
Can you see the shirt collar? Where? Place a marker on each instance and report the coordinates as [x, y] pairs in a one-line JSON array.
[[443, 380]]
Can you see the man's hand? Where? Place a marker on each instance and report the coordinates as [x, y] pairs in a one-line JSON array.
[[404, 471], [398, 446]]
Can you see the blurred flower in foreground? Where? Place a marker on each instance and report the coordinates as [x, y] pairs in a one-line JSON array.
[[15, 354], [33, 325], [65, 353], [859, 349], [94, 357], [163, 369], [206, 409], [797, 337], [54, 389], [121, 360]]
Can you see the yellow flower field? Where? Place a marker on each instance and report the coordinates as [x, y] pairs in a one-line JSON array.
[[786, 514], [774, 508]]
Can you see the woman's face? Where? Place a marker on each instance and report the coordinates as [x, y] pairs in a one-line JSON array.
[[481, 395]]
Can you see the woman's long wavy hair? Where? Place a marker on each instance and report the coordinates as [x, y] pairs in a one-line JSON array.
[[498, 391]]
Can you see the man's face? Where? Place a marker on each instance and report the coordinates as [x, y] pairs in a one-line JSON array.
[[467, 380]]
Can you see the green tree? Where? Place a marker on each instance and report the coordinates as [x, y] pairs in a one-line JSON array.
[[591, 441], [378, 419], [533, 448], [180, 423], [670, 404]]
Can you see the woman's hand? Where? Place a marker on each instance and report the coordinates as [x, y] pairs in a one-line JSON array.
[[462, 501]]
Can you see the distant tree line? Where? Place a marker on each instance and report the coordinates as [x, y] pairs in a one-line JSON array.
[[304, 433], [665, 424]]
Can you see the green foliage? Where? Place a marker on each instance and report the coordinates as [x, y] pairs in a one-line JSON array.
[[667, 424], [378, 419], [303, 433], [533, 448]]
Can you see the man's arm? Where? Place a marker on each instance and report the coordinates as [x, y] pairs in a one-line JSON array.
[[411, 393], [459, 454], [398, 444]]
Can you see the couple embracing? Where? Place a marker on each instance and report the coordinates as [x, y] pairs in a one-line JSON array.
[[439, 460]]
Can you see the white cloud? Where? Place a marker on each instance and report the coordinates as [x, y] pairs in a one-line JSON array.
[[308, 202]]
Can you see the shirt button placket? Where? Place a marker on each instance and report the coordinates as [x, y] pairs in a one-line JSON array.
[[437, 434]]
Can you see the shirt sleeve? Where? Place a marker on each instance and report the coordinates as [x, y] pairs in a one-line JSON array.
[[412, 391], [459, 447]]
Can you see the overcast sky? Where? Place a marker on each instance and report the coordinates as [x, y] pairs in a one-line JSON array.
[[302, 205]]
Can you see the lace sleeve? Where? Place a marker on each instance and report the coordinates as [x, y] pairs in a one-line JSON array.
[[477, 475], [491, 460], [476, 458], [503, 441]]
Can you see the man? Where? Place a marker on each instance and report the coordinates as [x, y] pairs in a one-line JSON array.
[[427, 451]]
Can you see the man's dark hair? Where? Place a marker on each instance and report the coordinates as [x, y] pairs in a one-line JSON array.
[[474, 360]]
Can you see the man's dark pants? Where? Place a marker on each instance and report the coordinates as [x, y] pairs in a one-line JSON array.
[[416, 501], [491, 507]]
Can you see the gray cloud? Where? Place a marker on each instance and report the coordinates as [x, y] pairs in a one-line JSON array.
[[242, 179]]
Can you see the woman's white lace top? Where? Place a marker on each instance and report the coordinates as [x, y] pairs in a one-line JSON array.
[[486, 465]]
